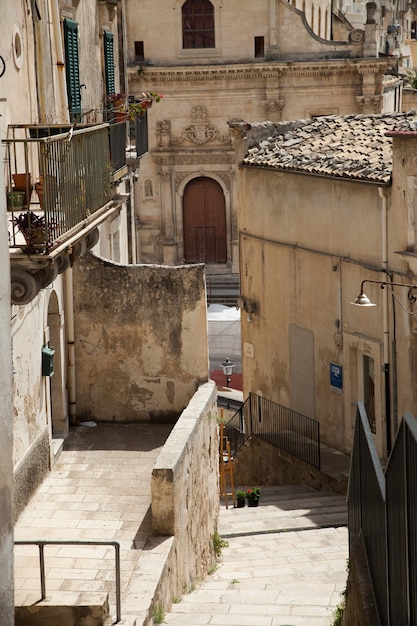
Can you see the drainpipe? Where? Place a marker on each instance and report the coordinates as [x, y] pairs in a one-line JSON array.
[[69, 322], [59, 52], [385, 295]]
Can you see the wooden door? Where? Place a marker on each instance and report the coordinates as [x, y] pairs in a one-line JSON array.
[[204, 213]]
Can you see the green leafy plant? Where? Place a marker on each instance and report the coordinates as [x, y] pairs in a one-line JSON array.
[[219, 544], [158, 614], [252, 494], [240, 495]]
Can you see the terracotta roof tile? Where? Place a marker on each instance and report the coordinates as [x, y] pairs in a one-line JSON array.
[[357, 147]]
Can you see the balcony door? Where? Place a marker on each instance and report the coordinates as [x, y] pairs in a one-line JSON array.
[[204, 213]]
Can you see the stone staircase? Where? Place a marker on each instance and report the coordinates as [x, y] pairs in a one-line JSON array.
[[222, 289]]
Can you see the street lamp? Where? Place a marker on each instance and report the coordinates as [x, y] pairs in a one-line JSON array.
[[227, 366], [363, 300]]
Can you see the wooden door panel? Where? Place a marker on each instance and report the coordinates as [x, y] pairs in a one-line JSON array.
[[204, 222]]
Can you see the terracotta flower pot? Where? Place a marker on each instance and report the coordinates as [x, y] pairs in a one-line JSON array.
[[22, 182]]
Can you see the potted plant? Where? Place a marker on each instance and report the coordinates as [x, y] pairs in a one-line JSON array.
[[34, 230], [23, 182], [15, 200], [240, 498], [252, 496], [117, 100]]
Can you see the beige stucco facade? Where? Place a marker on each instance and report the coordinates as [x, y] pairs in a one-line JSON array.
[[302, 72], [314, 240]]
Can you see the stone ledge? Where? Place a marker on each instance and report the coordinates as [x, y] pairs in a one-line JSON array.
[[67, 609]]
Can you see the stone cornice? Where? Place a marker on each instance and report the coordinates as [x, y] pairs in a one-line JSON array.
[[252, 72]]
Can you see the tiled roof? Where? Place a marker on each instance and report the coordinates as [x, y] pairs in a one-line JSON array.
[[355, 147]]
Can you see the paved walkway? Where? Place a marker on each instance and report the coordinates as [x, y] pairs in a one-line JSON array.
[[100, 490], [285, 564]]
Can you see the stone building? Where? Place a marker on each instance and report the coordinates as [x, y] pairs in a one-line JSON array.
[[336, 205], [220, 60]]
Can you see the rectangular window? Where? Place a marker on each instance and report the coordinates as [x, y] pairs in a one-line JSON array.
[[109, 61], [72, 67], [259, 47], [139, 51]]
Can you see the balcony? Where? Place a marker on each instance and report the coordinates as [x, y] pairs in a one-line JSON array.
[[59, 189]]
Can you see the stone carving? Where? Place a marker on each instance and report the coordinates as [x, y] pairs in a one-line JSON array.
[[200, 131], [25, 285], [357, 36]]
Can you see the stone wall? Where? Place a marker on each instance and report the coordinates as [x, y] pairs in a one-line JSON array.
[[141, 339], [360, 607], [185, 493], [260, 463]]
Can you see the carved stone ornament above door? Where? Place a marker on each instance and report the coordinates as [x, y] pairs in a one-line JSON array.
[[200, 131]]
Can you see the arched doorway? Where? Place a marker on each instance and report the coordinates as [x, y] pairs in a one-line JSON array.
[[57, 399], [204, 213]]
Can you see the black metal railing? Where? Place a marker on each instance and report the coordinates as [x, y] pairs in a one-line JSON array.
[[383, 512], [43, 544], [141, 134], [73, 174], [290, 431], [284, 428], [235, 429], [118, 142]]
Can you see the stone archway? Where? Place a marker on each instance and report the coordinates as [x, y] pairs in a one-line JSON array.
[[204, 222], [57, 408]]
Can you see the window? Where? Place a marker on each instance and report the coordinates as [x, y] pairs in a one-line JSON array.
[[72, 67], [109, 62], [139, 51], [259, 47], [198, 24]]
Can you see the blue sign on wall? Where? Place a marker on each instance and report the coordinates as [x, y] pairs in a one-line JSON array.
[[336, 377]]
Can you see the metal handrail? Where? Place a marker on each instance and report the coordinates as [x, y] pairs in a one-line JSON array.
[[41, 545]]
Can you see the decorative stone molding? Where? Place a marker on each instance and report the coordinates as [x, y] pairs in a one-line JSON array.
[[25, 285], [274, 108], [180, 176], [357, 36], [26, 281], [200, 131], [253, 73], [369, 104], [209, 158]]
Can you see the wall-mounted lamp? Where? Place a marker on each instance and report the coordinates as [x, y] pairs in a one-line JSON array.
[[228, 366], [363, 300]]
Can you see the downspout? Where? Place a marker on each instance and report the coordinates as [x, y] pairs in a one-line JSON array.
[[59, 52], [69, 322], [385, 295]]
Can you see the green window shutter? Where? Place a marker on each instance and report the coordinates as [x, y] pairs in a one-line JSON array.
[[72, 66], [109, 62]]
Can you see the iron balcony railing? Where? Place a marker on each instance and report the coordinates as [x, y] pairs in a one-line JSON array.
[[284, 428], [382, 512], [43, 544], [62, 178]]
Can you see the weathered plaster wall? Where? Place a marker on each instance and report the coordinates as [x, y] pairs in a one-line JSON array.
[[141, 339], [6, 428], [185, 495]]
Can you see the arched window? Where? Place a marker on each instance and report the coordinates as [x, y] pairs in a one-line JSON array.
[[198, 24]]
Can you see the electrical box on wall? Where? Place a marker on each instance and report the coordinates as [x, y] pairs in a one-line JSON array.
[[47, 361]]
